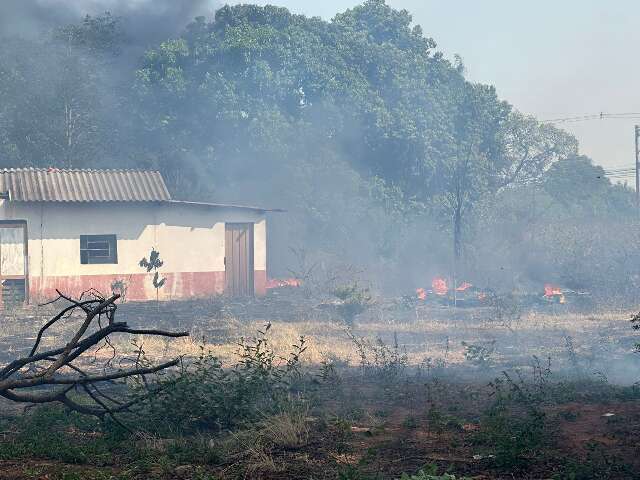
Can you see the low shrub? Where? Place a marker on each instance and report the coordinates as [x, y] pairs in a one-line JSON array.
[[514, 427], [378, 359], [430, 472], [354, 301], [206, 396], [53, 432], [480, 354]]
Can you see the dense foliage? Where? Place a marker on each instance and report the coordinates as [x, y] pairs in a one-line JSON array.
[[383, 153]]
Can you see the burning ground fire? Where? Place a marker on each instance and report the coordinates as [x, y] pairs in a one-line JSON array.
[[440, 291], [553, 292], [466, 294]]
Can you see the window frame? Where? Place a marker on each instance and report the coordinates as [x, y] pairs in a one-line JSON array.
[[86, 257]]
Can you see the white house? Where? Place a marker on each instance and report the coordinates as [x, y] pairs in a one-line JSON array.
[[73, 230]]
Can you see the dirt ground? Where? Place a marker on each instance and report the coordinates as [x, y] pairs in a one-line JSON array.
[[377, 436], [373, 429]]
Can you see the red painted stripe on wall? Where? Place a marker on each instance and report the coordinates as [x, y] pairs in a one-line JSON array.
[[134, 287], [260, 282], [138, 286]]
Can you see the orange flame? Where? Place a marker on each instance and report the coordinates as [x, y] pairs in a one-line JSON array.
[[422, 293], [463, 286], [439, 286], [551, 290]]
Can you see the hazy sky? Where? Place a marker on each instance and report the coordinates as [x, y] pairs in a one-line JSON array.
[[551, 58]]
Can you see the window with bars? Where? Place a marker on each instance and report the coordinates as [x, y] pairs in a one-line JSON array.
[[95, 249]]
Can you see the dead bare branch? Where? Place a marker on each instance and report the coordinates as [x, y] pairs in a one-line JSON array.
[[50, 376]]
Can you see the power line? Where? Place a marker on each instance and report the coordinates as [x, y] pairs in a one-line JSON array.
[[636, 131], [628, 172], [619, 173], [619, 167], [595, 116]]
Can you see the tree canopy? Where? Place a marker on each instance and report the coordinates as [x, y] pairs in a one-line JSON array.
[[359, 126]]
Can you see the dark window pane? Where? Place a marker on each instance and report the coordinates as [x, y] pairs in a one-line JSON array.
[[98, 249], [98, 245]]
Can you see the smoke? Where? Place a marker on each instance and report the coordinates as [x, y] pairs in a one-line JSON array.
[[520, 251], [145, 22]]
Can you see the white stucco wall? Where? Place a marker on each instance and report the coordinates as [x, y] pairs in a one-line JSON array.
[[260, 244], [190, 238]]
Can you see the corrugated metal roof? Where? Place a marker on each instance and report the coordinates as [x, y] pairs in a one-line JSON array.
[[224, 205], [58, 185]]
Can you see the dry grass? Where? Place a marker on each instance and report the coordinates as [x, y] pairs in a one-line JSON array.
[[254, 448], [601, 339], [288, 430], [386, 424]]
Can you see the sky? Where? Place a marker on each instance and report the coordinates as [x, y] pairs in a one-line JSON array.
[[549, 58]]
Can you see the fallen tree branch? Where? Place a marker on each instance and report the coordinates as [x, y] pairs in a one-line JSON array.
[[50, 376]]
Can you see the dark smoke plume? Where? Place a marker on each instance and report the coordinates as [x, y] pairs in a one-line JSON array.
[[145, 22]]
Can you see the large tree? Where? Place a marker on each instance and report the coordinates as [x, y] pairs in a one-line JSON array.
[[357, 125], [58, 101]]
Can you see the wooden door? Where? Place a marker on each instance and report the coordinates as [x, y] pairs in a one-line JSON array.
[[238, 259], [14, 284]]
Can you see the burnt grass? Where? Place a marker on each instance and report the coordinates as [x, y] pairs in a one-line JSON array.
[[361, 428], [467, 410]]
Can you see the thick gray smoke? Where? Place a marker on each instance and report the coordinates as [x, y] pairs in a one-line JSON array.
[[145, 21]]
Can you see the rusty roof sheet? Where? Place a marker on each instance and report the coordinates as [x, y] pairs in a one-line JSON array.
[[58, 185]]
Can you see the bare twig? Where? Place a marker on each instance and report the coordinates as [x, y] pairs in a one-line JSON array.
[[50, 376]]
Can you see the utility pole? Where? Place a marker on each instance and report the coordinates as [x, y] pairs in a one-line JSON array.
[[637, 136]]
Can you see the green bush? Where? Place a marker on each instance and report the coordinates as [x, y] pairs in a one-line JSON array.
[[597, 465], [478, 354], [430, 472], [354, 301], [513, 437], [380, 360], [53, 432], [206, 396], [514, 428]]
